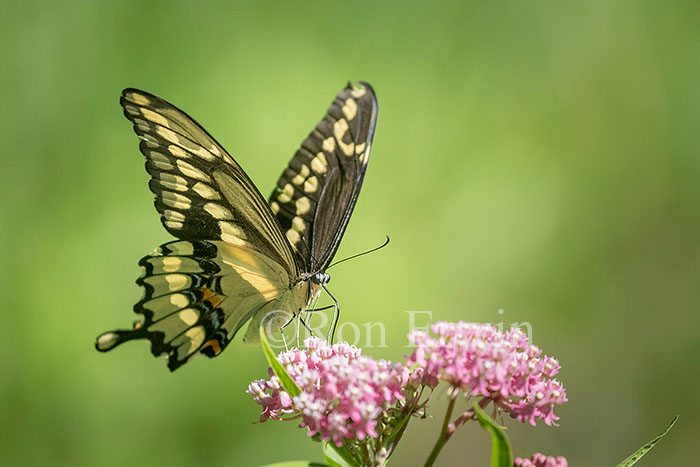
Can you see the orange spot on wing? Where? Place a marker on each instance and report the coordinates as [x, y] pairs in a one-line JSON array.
[[214, 344]]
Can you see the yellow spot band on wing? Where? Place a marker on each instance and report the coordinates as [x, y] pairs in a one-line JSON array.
[[301, 176], [339, 129]]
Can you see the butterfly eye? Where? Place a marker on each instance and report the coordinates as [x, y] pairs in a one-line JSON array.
[[320, 278]]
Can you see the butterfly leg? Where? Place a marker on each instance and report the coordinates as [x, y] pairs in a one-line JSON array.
[[336, 316], [284, 339]]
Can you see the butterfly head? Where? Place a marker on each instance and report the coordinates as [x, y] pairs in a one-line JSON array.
[[320, 278]]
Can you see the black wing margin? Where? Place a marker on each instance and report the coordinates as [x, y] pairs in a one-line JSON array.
[[316, 194]]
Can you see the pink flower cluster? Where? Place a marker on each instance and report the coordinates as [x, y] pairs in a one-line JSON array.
[[540, 460], [343, 393], [482, 361]]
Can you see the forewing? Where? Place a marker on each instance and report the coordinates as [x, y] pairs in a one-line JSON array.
[[317, 192], [197, 295], [200, 191]]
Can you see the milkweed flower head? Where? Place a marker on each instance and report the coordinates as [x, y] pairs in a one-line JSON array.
[[480, 360], [540, 460], [343, 393]]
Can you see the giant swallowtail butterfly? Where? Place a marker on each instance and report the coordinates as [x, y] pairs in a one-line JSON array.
[[238, 257]]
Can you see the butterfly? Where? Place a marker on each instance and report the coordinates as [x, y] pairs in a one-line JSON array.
[[238, 258]]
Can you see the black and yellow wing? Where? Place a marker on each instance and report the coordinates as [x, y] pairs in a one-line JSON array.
[[238, 258], [316, 194], [232, 260]]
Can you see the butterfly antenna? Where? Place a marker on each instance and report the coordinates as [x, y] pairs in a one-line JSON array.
[[336, 316], [360, 254]]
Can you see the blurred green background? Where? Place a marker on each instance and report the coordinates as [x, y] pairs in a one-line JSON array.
[[535, 157]]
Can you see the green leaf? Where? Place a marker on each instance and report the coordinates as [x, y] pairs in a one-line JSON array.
[[631, 460], [286, 381], [501, 453], [339, 456], [295, 464]]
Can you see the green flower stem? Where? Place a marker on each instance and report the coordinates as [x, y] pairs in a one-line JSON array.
[[445, 433]]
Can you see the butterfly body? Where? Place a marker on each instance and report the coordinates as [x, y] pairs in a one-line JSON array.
[[238, 259]]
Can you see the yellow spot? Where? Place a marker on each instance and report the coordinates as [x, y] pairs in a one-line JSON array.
[[301, 176], [176, 281], [201, 152], [328, 144], [176, 200], [214, 150], [181, 248], [298, 224], [363, 157], [189, 316], [205, 191], [140, 99], [177, 151], [339, 129], [319, 163], [311, 185], [350, 109], [171, 264], [274, 207], [179, 300], [167, 134], [358, 91], [217, 211], [360, 148], [293, 236], [287, 193], [196, 336], [131, 109], [107, 340], [190, 171], [174, 225], [174, 216], [170, 178], [303, 205], [160, 160], [155, 117], [231, 233]]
